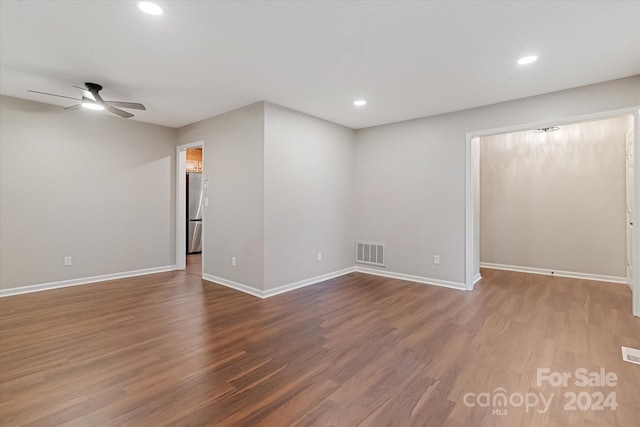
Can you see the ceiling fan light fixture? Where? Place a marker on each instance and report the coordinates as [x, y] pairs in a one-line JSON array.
[[92, 100], [150, 8], [91, 105]]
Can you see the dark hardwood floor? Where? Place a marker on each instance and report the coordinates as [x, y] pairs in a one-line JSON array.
[[170, 349], [194, 264]]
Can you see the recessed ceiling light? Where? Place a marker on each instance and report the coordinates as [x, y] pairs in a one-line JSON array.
[[91, 105], [360, 103], [150, 8], [527, 59]]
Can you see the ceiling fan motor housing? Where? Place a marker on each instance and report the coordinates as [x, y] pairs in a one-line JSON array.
[[93, 87]]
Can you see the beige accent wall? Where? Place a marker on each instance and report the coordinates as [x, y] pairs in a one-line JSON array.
[[82, 184], [555, 200]]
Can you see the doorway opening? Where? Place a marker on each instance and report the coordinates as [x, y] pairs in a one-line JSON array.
[[627, 188], [190, 186]]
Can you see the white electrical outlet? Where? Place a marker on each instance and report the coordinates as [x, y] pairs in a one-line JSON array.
[[319, 256], [67, 261], [436, 259], [206, 201], [233, 261]]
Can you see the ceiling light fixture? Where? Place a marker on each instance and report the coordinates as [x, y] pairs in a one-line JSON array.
[[150, 8], [360, 103], [91, 105], [544, 130], [527, 60]]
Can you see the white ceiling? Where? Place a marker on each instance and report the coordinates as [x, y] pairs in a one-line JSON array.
[[407, 59]]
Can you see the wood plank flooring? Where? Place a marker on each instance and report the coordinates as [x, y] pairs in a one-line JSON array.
[[358, 350]]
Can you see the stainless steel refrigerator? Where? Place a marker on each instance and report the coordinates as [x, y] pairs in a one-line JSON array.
[[194, 213]]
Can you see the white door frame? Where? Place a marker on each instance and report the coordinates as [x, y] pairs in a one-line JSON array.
[[472, 214], [181, 204], [635, 238]]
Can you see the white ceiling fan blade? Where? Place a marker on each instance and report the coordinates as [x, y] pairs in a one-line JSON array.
[[53, 94], [132, 105], [86, 93], [117, 111]]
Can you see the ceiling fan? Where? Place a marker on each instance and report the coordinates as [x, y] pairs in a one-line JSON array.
[[91, 99]]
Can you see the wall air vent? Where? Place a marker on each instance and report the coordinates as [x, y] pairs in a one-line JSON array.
[[631, 355], [370, 253]]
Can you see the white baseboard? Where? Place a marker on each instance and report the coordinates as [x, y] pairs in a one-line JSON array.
[[411, 278], [548, 272], [280, 289], [307, 282], [323, 277], [245, 288], [83, 281], [233, 285], [477, 278]]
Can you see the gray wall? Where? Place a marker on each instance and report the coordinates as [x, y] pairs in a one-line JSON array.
[[308, 193], [280, 191], [408, 189], [556, 200], [233, 161], [410, 176], [86, 185]]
